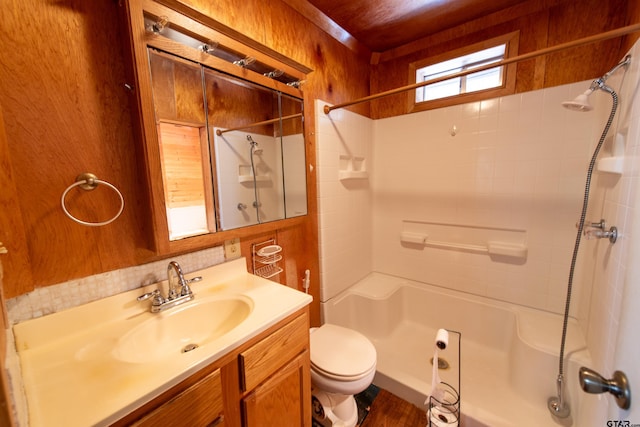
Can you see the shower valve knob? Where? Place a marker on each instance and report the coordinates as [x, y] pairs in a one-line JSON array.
[[618, 386]]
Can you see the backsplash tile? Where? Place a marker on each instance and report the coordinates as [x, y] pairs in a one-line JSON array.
[[51, 299]]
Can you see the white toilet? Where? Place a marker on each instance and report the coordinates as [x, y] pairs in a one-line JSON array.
[[343, 363]]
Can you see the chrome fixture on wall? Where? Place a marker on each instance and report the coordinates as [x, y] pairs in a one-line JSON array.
[[558, 405], [598, 230], [581, 102], [618, 386]]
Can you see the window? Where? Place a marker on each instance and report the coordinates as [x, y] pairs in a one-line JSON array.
[[491, 82], [470, 83]]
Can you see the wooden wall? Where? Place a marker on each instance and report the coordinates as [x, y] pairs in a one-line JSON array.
[[66, 112], [541, 24]]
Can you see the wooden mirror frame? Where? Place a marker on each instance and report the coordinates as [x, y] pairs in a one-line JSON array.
[[201, 27]]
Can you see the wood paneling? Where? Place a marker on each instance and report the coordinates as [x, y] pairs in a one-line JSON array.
[[540, 25], [12, 231], [384, 24], [66, 113]]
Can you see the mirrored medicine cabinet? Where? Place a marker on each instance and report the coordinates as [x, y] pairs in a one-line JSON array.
[[222, 124]]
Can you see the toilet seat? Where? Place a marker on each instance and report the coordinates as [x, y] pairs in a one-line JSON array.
[[341, 354]]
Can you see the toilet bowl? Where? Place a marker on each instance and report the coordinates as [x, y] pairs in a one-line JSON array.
[[343, 363]]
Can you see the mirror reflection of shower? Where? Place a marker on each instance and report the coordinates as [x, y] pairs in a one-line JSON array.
[[558, 405], [254, 150], [251, 178]]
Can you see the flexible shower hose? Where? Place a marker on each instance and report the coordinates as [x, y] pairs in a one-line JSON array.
[[583, 215]]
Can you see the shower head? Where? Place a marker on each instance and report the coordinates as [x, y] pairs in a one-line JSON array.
[[254, 146], [580, 103]]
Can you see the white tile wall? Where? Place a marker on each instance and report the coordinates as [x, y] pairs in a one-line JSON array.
[[514, 162], [344, 205]]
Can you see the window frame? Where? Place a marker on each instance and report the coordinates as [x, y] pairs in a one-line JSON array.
[[508, 86]]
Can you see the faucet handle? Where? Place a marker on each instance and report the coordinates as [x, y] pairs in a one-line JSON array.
[[186, 290], [155, 294]]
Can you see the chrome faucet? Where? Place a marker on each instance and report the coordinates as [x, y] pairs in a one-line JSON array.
[[177, 293], [184, 287]]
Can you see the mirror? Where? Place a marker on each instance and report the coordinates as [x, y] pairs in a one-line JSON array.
[[184, 149], [232, 151]]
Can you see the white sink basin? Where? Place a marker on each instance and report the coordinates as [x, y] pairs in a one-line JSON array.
[[113, 355], [182, 329]]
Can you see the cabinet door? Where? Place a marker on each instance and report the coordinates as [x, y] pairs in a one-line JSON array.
[[270, 354], [199, 405], [282, 400]]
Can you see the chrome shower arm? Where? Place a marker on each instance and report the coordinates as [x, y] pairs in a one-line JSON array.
[[625, 62], [599, 83]]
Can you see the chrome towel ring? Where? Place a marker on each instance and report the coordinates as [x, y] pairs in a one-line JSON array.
[[88, 181]]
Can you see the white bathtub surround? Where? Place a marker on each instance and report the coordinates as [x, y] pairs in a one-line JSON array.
[[344, 159], [516, 162], [509, 353]]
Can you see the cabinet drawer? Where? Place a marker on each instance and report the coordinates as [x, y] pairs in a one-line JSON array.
[[199, 405], [263, 359], [282, 400]]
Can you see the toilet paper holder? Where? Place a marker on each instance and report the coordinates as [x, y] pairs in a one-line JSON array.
[[444, 410]]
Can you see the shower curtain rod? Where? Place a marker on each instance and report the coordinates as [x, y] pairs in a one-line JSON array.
[[219, 132], [545, 51]]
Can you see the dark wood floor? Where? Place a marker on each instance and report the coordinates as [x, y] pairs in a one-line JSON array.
[[388, 410]]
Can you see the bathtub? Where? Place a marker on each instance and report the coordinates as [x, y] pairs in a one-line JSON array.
[[508, 355]]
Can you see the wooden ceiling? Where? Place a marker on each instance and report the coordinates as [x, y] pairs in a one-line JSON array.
[[381, 25]]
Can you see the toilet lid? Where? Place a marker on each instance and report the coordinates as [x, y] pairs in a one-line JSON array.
[[341, 352]]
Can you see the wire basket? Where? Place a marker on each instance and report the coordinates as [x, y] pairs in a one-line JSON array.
[[266, 256], [445, 411]]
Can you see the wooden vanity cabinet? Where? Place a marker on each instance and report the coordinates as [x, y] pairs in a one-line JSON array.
[[275, 378], [265, 382], [283, 399]]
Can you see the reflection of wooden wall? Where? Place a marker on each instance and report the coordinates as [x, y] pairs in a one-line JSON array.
[[232, 104], [180, 149], [177, 89], [290, 107]]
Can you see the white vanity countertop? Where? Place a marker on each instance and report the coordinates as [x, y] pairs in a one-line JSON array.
[[72, 377]]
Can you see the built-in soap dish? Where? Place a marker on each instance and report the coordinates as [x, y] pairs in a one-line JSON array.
[[352, 168], [611, 165], [615, 162]]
